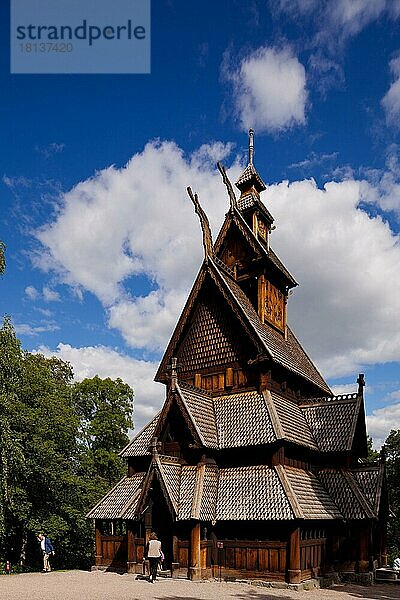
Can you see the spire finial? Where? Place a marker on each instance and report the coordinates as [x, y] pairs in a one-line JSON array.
[[251, 146], [205, 225]]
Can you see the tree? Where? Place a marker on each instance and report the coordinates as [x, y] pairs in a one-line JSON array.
[[392, 448], [2, 257], [58, 452], [105, 410]]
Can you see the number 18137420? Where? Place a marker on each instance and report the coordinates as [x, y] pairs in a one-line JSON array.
[[28, 47]]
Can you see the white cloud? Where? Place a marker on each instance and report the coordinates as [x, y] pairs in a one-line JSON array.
[[31, 292], [50, 295], [391, 100], [137, 220], [330, 24], [106, 362], [269, 89], [382, 186], [32, 330], [344, 388], [346, 309], [381, 423]]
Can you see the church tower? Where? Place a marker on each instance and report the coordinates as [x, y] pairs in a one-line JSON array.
[[252, 463]]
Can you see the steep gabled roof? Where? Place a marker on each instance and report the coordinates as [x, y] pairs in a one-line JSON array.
[[257, 245], [333, 421], [370, 481], [123, 497], [289, 421], [250, 174], [242, 419], [349, 497], [140, 444], [307, 494], [286, 352], [252, 493], [201, 409]]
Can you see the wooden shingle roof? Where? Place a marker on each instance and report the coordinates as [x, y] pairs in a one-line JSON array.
[[256, 492], [120, 501], [286, 352], [252, 493], [349, 497], [291, 424], [243, 420], [333, 421], [140, 444], [249, 418], [313, 501]]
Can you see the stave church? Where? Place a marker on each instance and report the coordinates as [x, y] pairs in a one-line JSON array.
[[252, 468]]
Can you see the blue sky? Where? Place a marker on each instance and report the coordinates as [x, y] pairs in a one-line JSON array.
[[102, 242]]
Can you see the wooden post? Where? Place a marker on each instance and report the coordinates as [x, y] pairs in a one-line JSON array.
[[363, 562], [99, 554], [384, 555], [261, 297], [294, 571], [194, 559], [175, 556], [197, 380], [131, 542]]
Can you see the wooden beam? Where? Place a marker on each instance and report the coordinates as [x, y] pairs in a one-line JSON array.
[[99, 554], [294, 571], [364, 551], [131, 542], [194, 572]]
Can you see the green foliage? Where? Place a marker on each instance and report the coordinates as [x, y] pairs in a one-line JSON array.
[[105, 408], [58, 452], [392, 448]]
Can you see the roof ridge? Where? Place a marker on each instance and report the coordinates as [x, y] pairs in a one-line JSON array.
[[353, 484], [193, 420], [106, 495], [156, 416], [289, 491], [273, 414], [198, 491], [166, 484], [323, 400]]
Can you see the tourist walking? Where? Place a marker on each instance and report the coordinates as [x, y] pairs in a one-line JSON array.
[[154, 555], [46, 548]]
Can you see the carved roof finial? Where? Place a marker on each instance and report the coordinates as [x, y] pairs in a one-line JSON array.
[[251, 146], [205, 225], [225, 179], [361, 383]]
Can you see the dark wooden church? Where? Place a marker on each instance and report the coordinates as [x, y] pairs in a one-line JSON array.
[[252, 464]]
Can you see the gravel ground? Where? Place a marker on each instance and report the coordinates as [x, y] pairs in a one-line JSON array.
[[82, 585]]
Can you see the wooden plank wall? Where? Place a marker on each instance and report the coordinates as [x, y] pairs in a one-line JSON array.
[[312, 556]]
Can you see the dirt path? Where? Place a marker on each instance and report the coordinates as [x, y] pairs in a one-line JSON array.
[[82, 585]]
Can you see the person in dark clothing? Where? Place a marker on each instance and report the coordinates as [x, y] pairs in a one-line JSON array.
[[47, 548], [154, 554]]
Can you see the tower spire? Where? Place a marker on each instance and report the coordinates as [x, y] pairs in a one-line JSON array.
[[251, 146]]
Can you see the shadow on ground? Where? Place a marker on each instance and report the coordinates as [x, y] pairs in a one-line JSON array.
[[385, 591]]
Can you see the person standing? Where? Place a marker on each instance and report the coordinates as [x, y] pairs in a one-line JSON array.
[[47, 548], [153, 553]]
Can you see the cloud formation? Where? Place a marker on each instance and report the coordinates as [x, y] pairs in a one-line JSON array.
[[269, 88], [381, 423], [391, 100], [137, 221]]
